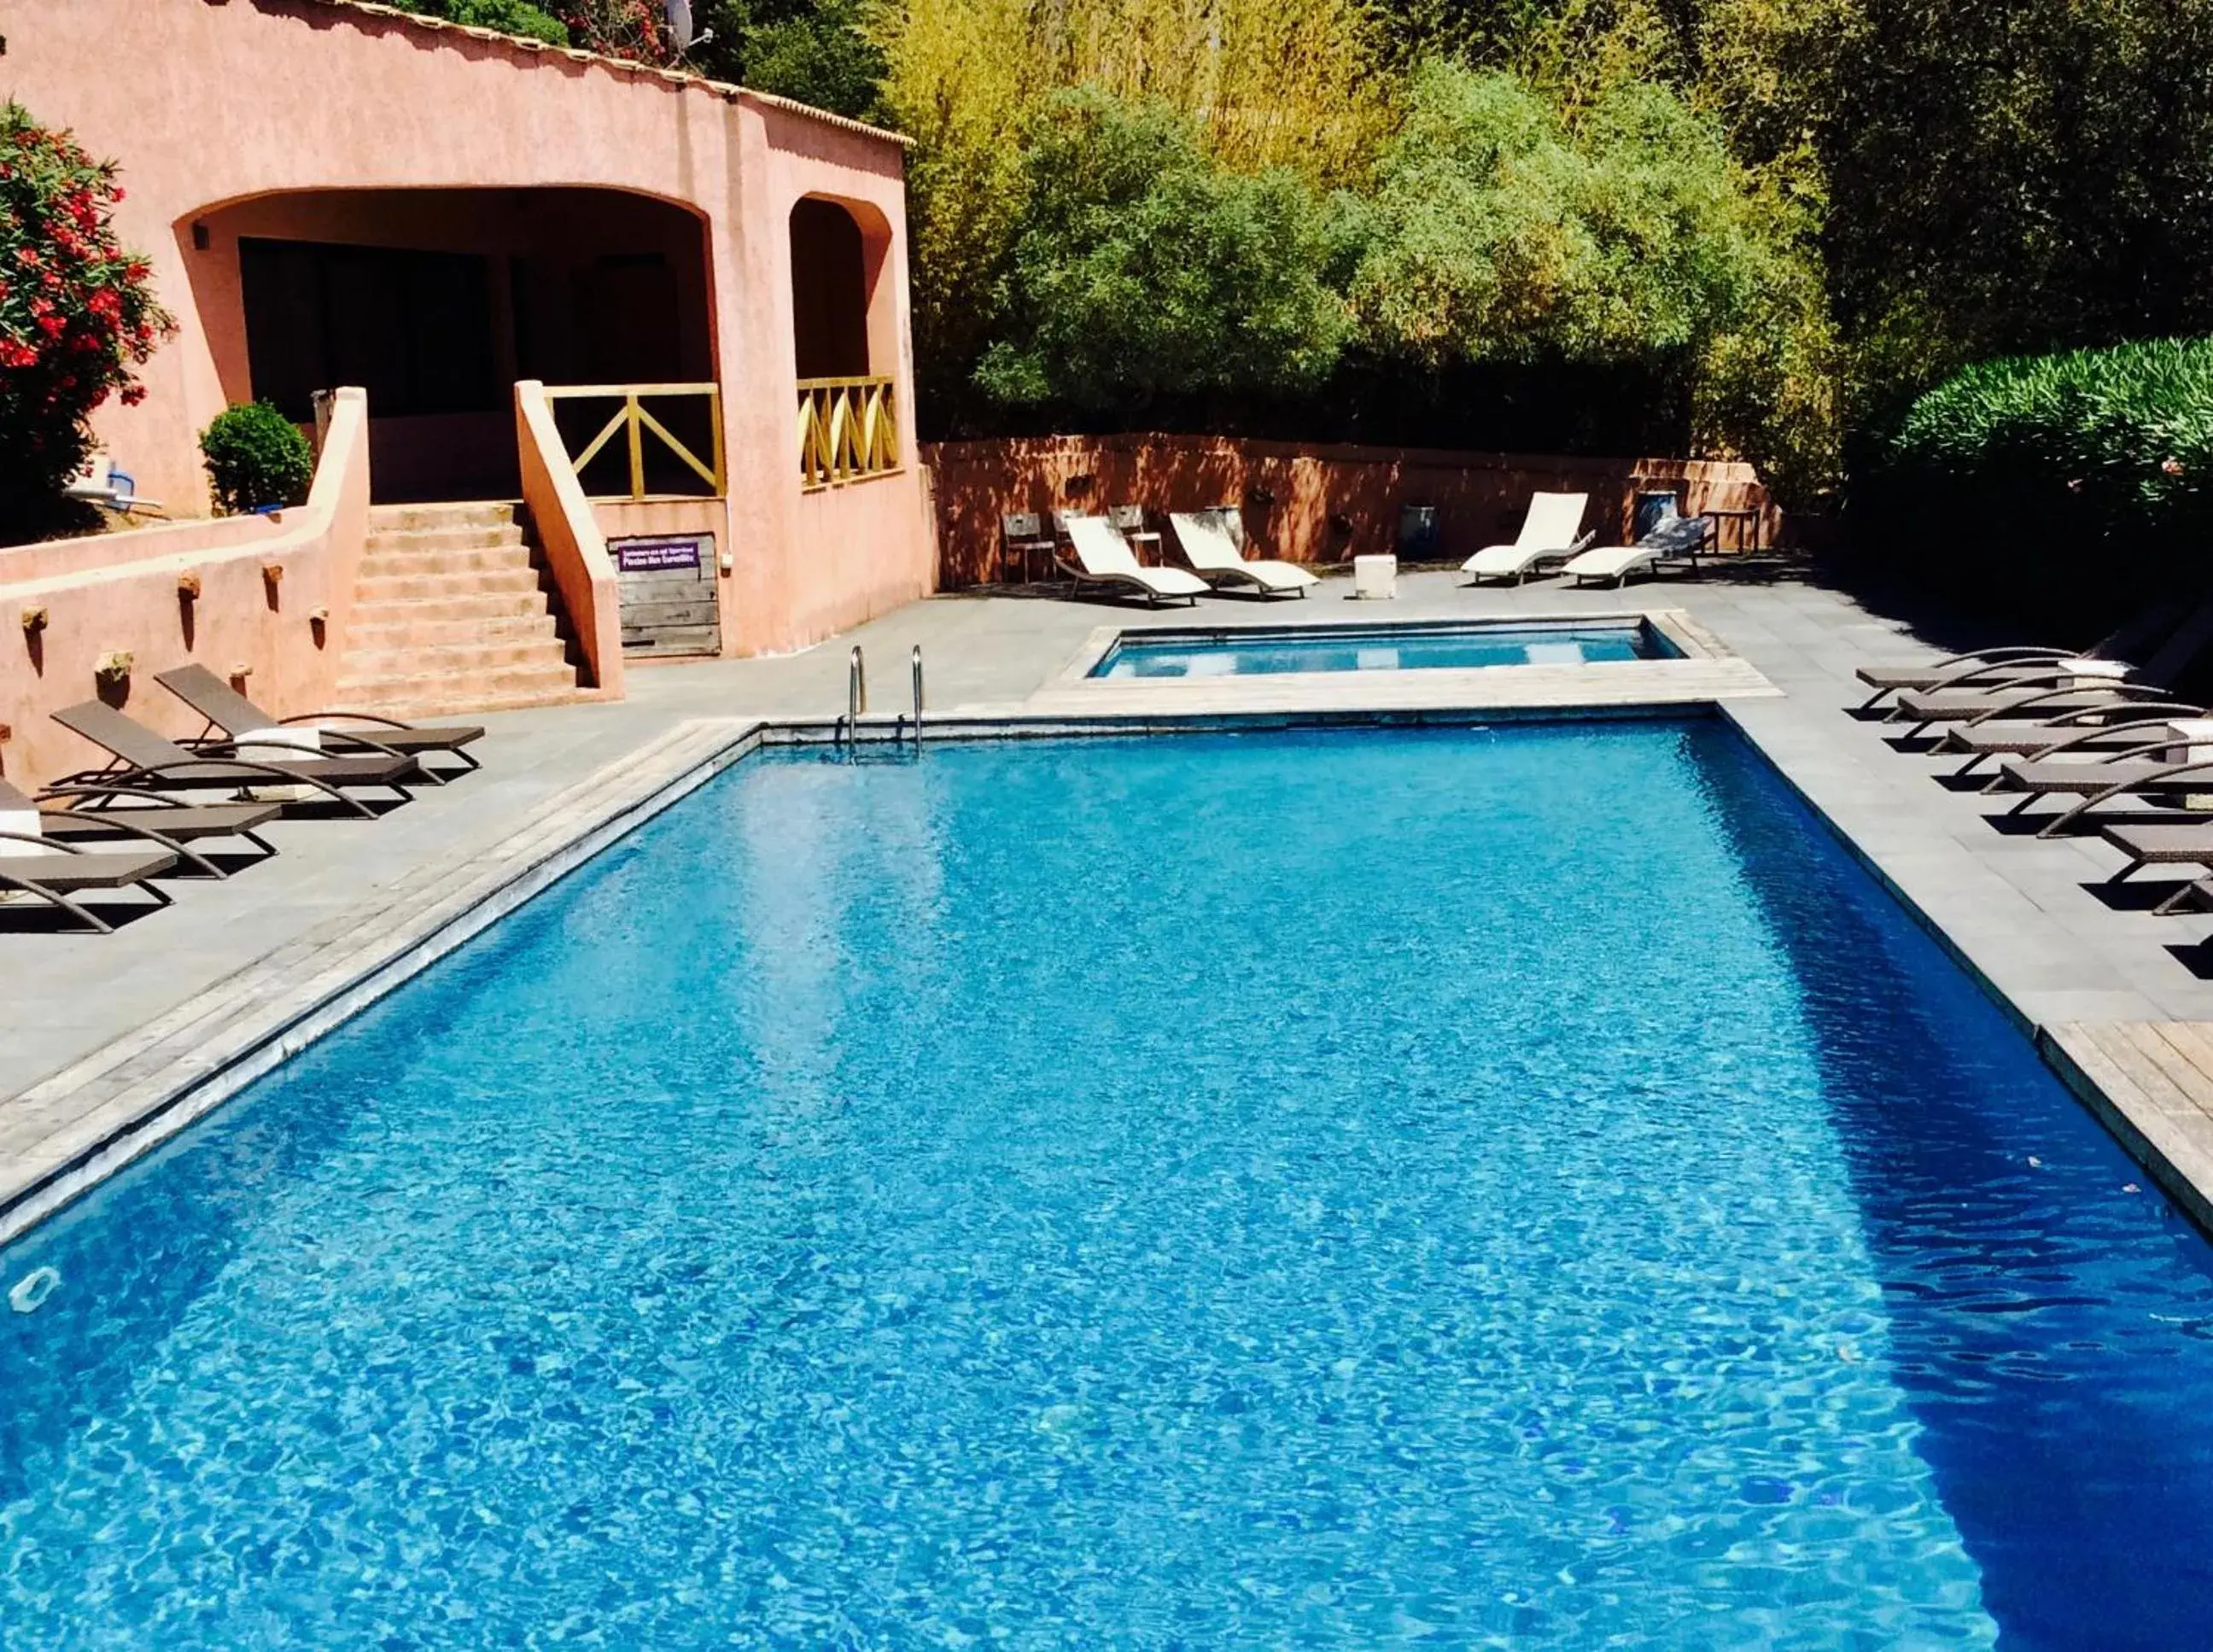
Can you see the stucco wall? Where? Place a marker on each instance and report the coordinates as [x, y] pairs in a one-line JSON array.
[[209, 104], [126, 599], [1315, 504]]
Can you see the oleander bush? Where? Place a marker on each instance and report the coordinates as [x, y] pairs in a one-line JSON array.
[[256, 458], [2080, 477], [77, 315]]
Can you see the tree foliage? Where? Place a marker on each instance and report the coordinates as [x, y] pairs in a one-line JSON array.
[[814, 51], [517, 17], [1141, 267]]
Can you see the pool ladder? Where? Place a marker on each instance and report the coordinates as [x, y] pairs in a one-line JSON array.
[[857, 700]]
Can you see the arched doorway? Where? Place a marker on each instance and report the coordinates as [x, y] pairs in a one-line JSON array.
[[436, 301]]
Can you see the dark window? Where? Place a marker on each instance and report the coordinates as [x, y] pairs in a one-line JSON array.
[[411, 328]]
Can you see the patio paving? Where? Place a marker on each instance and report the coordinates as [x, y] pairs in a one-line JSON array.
[[2015, 909]]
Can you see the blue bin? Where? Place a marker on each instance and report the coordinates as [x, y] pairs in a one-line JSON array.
[[1417, 533]]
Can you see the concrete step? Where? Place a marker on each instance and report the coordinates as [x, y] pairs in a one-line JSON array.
[[404, 588], [454, 659], [505, 690], [431, 610], [466, 537], [486, 513], [402, 631], [440, 559]]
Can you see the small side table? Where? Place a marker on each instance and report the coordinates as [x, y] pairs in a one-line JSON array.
[[1376, 579], [1747, 520]]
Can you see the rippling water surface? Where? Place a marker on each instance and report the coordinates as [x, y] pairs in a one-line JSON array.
[[1359, 1191]]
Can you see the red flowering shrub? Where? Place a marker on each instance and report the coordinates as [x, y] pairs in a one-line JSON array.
[[77, 314], [637, 29]]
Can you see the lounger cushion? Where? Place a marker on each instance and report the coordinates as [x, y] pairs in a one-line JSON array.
[[1168, 582], [1496, 559], [26, 822], [1280, 575], [1609, 562], [256, 743]]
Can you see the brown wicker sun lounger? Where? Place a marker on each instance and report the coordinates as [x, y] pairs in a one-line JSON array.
[[2099, 733], [113, 812], [226, 708], [2129, 774], [2161, 843], [2040, 701], [1991, 666], [147, 761], [55, 872]]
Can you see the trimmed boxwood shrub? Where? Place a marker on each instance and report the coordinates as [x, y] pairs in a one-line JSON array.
[[256, 457], [2074, 485]]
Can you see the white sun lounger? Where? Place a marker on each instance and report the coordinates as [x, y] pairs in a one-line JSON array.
[[1551, 532], [1208, 547], [1103, 557], [1673, 540]]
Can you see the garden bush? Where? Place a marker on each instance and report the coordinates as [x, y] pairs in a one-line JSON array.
[[508, 16], [2080, 477], [77, 314], [256, 457]]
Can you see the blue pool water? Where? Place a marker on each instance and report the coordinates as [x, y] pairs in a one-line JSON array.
[[1458, 643], [1350, 1191]]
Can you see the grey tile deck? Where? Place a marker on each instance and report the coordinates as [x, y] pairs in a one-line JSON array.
[[99, 1030]]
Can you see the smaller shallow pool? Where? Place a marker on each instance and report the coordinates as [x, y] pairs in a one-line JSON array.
[[1446, 645]]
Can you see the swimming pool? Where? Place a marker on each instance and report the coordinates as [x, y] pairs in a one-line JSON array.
[[1437, 645], [1355, 1190]]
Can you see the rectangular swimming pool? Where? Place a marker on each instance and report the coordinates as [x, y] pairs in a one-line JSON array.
[[1182, 651], [1352, 1190]]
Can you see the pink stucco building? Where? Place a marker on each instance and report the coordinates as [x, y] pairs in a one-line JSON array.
[[339, 196]]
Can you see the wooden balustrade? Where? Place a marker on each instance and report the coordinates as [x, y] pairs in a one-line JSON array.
[[635, 420], [848, 430]]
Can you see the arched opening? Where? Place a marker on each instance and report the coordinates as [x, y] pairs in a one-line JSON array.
[[436, 301], [844, 342], [830, 282]]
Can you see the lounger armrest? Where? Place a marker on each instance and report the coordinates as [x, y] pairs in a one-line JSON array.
[[353, 716], [2106, 731], [43, 843]]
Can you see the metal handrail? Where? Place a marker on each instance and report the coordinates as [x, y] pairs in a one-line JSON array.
[[632, 418], [917, 696], [856, 693]]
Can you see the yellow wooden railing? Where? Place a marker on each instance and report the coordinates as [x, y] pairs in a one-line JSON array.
[[634, 422], [847, 429]]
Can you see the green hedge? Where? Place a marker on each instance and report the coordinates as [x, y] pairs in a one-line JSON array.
[[2073, 485]]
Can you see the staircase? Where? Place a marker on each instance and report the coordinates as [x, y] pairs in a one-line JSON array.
[[450, 615]]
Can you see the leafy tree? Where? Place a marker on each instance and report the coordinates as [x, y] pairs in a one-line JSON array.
[[814, 50], [1501, 229], [1142, 268], [509, 16], [77, 314]]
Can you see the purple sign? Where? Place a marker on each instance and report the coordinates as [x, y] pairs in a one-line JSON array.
[[656, 556]]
